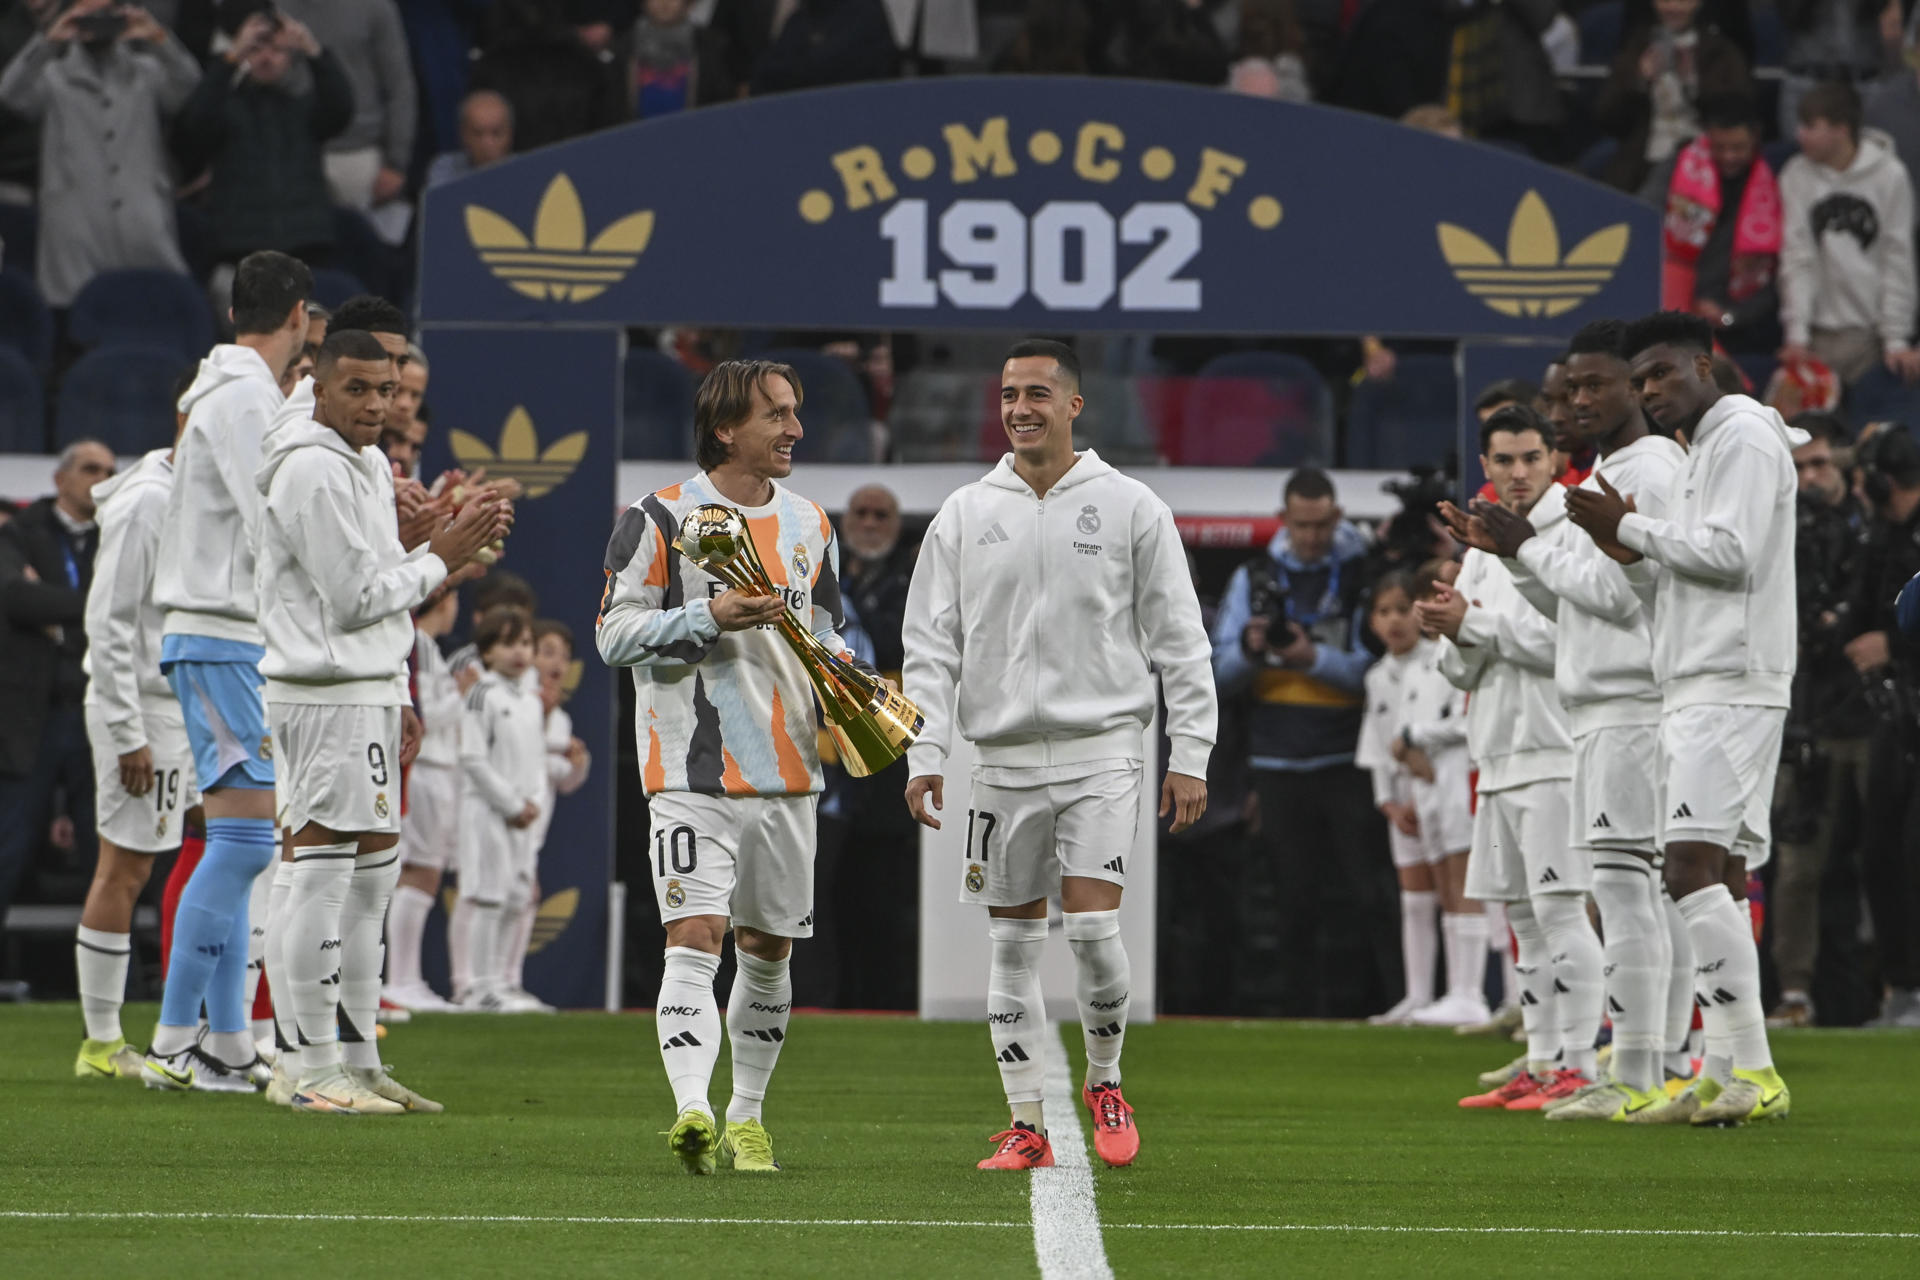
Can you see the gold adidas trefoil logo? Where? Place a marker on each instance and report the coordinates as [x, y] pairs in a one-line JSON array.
[[551, 920], [570, 682], [559, 263], [519, 455], [1533, 279]]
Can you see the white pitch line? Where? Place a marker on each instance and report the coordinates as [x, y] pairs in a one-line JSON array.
[[1066, 1218], [430, 1219]]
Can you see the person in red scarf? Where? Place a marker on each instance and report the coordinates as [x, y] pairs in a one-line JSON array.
[[1723, 231]]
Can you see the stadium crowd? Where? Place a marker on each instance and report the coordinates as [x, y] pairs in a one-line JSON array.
[[145, 151]]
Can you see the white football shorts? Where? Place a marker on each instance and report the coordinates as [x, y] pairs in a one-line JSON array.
[[1022, 840], [338, 766], [1520, 845], [430, 831], [748, 858], [1716, 774], [1613, 789], [150, 823], [488, 854]]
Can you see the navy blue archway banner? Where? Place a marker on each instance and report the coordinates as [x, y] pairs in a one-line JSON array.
[[1047, 204]]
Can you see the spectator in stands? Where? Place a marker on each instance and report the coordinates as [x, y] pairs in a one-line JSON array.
[[1290, 642], [1394, 58], [19, 137], [486, 137], [1498, 79], [1823, 771], [1052, 41], [828, 42], [404, 434], [441, 34], [46, 566], [1894, 107], [558, 88], [1270, 57], [675, 62], [260, 129], [1846, 263], [1723, 230], [1173, 40], [1651, 102], [101, 81], [1849, 41], [367, 161]]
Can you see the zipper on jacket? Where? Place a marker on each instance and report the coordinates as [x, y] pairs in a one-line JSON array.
[[1040, 595]]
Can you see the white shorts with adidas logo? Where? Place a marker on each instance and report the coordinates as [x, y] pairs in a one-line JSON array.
[[1022, 840], [1520, 847], [1716, 772], [1613, 789], [748, 858]]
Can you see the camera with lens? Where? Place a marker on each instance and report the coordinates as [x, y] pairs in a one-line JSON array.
[[101, 26]]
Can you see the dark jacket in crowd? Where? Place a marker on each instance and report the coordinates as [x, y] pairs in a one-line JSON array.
[[879, 595], [558, 89], [1625, 105], [1827, 698], [828, 42], [1299, 719], [1888, 559], [38, 670], [264, 144]]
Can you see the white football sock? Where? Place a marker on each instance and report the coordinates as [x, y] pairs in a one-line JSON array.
[[1103, 984], [1579, 988], [322, 879], [101, 959], [519, 921], [1419, 942], [285, 1032], [1636, 967], [406, 926], [484, 940], [1534, 974], [757, 1014], [1017, 1010], [362, 933], [1466, 936], [688, 1025], [1729, 973], [460, 944], [1677, 1056]]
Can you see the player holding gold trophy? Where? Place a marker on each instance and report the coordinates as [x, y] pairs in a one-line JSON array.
[[723, 595]]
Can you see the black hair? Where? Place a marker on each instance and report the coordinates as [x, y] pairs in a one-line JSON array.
[[1507, 391], [1600, 337], [371, 313], [1308, 483], [348, 344], [1059, 352], [503, 586], [266, 286], [1669, 328], [1394, 580], [184, 383], [1730, 111], [1516, 419], [1823, 426], [544, 627], [502, 624]]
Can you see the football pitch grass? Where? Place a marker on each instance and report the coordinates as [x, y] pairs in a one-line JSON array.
[[1268, 1148]]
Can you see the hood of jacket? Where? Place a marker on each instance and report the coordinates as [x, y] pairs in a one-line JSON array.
[[289, 437], [1551, 510], [225, 364], [1089, 467], [154, 464], [1728, 405]]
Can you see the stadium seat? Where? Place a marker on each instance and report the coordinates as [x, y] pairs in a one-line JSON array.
[[836, 414], [1408, 419], [26, 324], [657, 406], [19, 237], [331, 288], [121, 396], [1600, 33], [938, 414], [23, 418], [1880, 396], [1769, 36], [1778, 152], [1256, 408], [359, 251], [1115, 421], [154, 309], [197, 244]]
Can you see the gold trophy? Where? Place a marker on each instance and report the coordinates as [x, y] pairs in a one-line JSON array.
[[871, 723]]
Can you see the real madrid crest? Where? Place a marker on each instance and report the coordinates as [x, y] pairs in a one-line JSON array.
[[676, 896], [976, 878], [380, 805], [160, 829], [802, 567], [1089, 521], [266, 747]]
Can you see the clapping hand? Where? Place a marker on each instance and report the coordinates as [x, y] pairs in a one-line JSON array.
[[1600, 515]]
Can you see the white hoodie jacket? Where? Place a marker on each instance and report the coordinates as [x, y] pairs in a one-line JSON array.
[[335, 585], [1846, 256], [1516, 727], [441, 703], [1408, 696], [1603, 664], [1044, 619], [123, 622], [206, 569], [1725, 630]]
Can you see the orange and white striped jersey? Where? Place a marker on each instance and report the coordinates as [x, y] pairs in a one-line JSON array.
[[719, 713]]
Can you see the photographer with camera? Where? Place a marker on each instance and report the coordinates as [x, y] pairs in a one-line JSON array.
[[1888, 660], [1290, 645], [101, 77], [1823, 768]]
